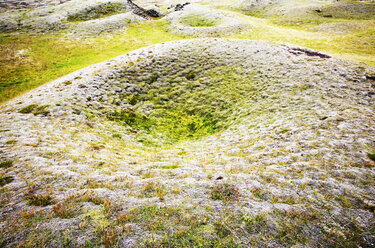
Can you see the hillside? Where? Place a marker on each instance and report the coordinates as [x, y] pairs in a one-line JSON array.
[[209, 124]]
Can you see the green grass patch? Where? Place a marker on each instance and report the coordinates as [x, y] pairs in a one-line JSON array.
[[35, 109], [41, 110], [197, 21], [40, 200], [225, 192], [181, 125], [28, 109], [133, 119], [178, 227], [5, 180], [6, 164], [358, 46], [188, 107], [175, 125], [48, 57], [371, 155], [170, 167], [258, 13]]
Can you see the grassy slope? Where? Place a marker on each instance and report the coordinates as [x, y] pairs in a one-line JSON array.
[[50, 57], [47, 57], [357, 46]]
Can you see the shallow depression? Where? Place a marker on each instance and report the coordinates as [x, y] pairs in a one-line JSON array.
[[201, 129]]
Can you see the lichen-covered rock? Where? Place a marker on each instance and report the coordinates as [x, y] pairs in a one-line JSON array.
[[155, 11]]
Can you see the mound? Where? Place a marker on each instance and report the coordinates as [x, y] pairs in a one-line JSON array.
[[284, 8], [106, 24], [256, 4], [193, 143], [66, 15], [350, 10], [195, 20], [6, 4]]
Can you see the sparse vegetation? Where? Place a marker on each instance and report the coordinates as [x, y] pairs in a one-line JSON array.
[[153, 78], [28, 109], [191, 75], [354, 45], [35, 109], [196, 143], [225, 192], [40, 199], [5, 180], [57, 56], [349, 10], [41, 110], [170, 167], [11, 142], [153, 189], [6, 164], [98, 11], [64, 210], [197, 21], [371, 156], [178, 115]]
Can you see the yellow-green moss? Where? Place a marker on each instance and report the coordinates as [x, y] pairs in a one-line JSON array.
[[48, 57]]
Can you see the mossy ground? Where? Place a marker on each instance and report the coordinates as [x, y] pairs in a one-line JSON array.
[[28, 61], [352, 10], [197, 21], [356, 45], [205, 215], [191, 104], [102, 10]]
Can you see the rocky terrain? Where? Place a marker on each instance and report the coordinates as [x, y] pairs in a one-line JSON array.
[[14, 4], [195, 142]]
